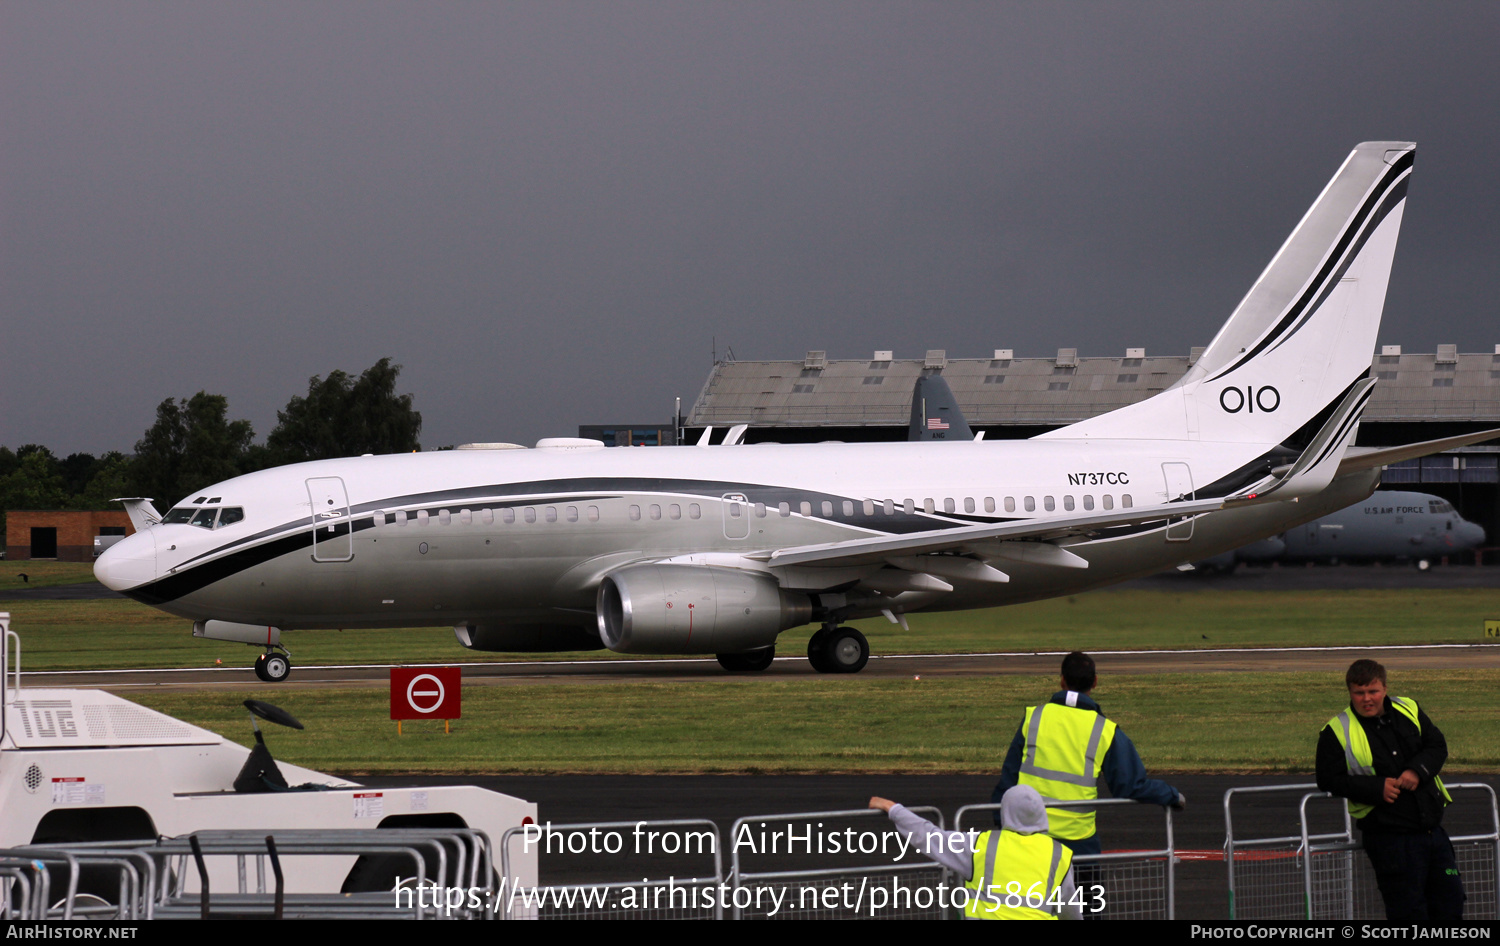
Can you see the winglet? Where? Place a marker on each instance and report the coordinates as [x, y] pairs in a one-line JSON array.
[[142, 514], [1319, 463]]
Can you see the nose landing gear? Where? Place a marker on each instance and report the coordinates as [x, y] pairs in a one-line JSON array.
[[274, 666]]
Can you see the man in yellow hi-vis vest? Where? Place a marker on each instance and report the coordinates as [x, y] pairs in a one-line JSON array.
[[1384, 756], [1015, 873], [1062, 748]]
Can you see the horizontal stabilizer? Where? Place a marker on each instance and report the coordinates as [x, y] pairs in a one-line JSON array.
[[1368, 458]]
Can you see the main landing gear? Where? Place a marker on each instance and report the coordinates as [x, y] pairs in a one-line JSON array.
[[274, 666], [754, 660], [836, 649]]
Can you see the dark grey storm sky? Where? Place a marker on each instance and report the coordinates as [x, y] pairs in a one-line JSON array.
[[547, 211]]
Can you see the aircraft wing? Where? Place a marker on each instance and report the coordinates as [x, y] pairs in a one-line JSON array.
[[878, 549], [1367, 458]]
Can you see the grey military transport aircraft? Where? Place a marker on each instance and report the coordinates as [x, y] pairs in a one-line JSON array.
[[1389, 526], [718, 549]]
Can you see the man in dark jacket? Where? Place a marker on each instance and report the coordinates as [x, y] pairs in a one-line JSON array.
[[1070, 732], [1384, 756]]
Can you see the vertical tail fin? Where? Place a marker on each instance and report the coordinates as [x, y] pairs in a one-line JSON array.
[[934, 412], [1305, 331]]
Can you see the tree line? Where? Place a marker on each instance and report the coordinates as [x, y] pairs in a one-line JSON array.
[[193, 444]]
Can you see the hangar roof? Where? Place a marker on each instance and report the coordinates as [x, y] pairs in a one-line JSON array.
[[816, 391]]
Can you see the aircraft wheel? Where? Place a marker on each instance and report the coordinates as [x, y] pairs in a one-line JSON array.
[[847, 650], [817, 652], [260, 668], [755, 660], [277, 668]]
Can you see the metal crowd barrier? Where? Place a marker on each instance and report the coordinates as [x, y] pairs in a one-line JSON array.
[[1325, 875], [152, 877], [676, 898], [883, 890], [1136, 885]]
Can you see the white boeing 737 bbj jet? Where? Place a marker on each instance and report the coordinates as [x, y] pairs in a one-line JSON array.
[[718, 549]]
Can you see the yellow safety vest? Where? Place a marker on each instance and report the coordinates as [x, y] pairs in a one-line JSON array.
[[1065, 749], [1015, 875], [1357, 754]]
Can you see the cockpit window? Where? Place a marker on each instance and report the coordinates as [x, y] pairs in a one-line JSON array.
[[204, 518], [1439, 506]]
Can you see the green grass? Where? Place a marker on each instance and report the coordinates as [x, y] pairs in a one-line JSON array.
[[1181, 723], [115, 633], [42, 574]]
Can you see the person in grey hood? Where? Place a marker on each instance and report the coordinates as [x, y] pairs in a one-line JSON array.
[[1000, 867]]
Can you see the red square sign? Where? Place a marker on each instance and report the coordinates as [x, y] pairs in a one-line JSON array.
[[426, 693]]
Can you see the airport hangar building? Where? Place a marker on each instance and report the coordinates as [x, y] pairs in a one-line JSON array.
[[1420, 396]]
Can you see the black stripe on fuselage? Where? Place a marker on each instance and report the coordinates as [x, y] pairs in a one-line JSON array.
[[189, 577]]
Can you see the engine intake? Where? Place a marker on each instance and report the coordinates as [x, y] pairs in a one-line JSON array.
[[692, 609]]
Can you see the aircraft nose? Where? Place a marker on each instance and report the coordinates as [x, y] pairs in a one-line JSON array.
[[1473, 534], [128, 563]]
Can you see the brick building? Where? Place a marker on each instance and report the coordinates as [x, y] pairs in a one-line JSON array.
[[65, 535]]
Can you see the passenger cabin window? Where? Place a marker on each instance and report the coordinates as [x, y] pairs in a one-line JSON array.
[[806, 509], [401, 517], [1010, 504], [1048, 503], [551, 513], [1125, 501], [1068, 503], [948, 504], [635, 513], [827, 509], [655, 511], [509, 515], [530, 513], [1030, 504], [674, 511], [593, 512], [989, 504], [694, 511], [1088, 502], [1109, 501], [968, 504], [444, 517], [848, 508], [785, 509]]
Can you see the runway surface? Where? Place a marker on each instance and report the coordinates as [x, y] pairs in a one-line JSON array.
[[624, 670]]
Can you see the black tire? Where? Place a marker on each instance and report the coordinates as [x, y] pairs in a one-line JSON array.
[[750, 662], [817, 651], [847, 651], [277, 668], [260, 668]]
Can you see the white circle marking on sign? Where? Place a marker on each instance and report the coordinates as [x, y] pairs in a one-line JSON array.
[[412, 692]]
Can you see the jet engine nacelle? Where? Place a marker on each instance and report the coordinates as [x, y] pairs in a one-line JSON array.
[[693, 609], [518, 638]]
